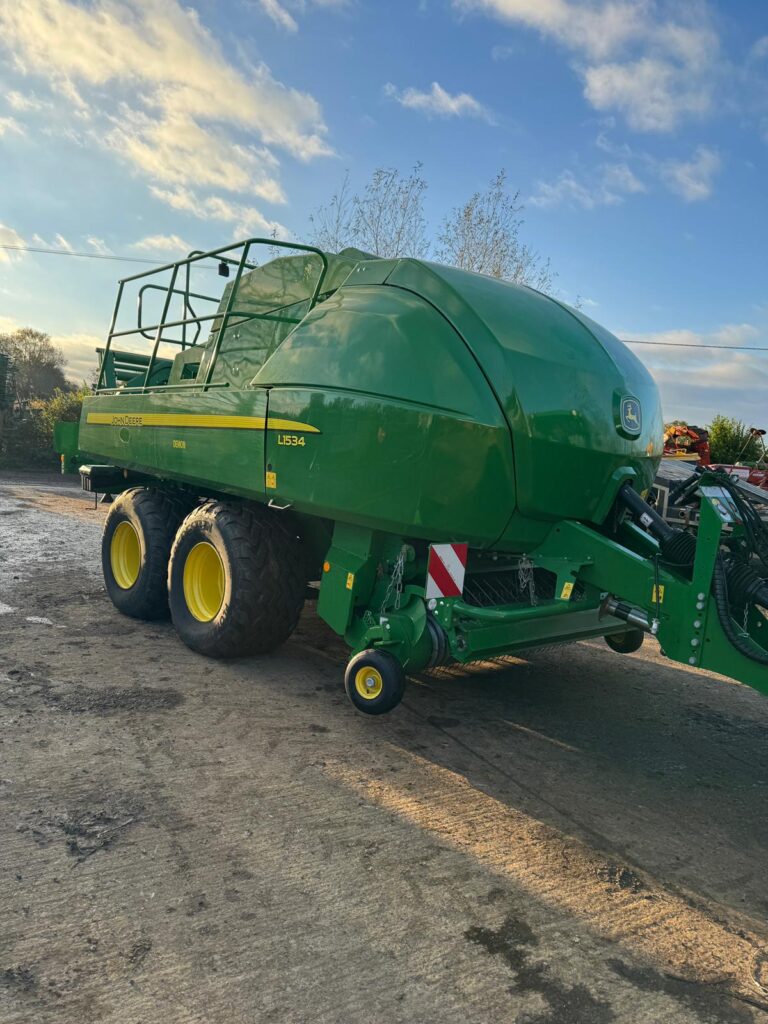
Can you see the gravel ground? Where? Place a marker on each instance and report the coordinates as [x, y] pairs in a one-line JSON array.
[[572, 837]]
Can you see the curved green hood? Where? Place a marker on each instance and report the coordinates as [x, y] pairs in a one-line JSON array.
[[561, 380]]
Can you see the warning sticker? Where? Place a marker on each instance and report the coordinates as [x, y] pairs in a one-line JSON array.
[[566, 592], [350, 580], [445, 570], [271, 480], [660, 597]]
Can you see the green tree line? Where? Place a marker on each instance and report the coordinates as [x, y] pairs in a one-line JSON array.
[[38, 396]]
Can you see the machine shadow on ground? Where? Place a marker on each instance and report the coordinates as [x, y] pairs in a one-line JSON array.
[[665, 768]]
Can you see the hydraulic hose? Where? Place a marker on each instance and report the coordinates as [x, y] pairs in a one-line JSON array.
[[680, 488], [647, 516], [736, 639], [678, 548]]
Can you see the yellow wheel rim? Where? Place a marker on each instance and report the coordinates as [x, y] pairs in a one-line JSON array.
[[368, 682], [125, 555], [204, 581]]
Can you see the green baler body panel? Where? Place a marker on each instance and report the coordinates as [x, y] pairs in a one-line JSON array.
[[123, 431], [389, 402], [410, 437], [415, 400], [560, 379]]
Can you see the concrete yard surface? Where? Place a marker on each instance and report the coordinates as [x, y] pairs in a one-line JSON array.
[[568, 837]]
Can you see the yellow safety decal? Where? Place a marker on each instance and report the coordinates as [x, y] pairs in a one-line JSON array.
[[660, 598], [168, 419], [271, 480], [566, 592], [350, 580]]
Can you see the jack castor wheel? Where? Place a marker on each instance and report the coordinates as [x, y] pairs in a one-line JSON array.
[[626, 643], [375, 682]]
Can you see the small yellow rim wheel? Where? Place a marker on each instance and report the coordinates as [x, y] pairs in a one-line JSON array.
[[125, 555], [368, 682], [204, 581]]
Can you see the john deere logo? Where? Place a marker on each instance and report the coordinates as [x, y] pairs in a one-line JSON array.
[[631, 415]]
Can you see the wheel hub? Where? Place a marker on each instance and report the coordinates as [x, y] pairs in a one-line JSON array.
[[125, 555], [368, 682], [204, 582]]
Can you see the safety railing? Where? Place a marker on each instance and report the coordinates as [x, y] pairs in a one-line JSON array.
[[180, 285]]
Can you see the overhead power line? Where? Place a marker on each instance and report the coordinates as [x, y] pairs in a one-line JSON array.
[[162, 263], [84, 255], [688, 344]]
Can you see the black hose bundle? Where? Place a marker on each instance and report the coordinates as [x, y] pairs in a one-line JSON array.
[[741, 640], [736, 583]]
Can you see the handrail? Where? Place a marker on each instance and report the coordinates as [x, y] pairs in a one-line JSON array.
[[187, 305], [159, 334], [196, 255], [244, 318], [236, 282], [226, 315], [165, 387]]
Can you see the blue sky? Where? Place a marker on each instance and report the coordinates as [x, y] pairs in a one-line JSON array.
[[635, 130]]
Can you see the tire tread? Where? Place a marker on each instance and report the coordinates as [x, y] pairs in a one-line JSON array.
[[270, 571]]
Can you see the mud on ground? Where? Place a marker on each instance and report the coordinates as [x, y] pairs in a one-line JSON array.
[[573, 837]]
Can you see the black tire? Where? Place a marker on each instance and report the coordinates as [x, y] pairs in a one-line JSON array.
[[141, 523], [375, 682], [627, 642], [262, 580]]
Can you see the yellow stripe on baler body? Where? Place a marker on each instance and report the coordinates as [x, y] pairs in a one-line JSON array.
[[167, 419]]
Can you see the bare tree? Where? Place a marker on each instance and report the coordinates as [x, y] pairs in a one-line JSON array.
[[389, 216], [38, 364], [484, 235], [331, 225], [387, 219]]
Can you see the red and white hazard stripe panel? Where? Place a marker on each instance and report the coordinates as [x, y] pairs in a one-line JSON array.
[[445, 572]]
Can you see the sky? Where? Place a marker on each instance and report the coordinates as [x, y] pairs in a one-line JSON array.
[[636, 132]]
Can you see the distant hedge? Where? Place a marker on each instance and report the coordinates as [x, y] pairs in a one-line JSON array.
[[26, 432]]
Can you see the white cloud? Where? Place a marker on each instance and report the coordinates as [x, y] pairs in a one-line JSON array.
[[99, 246], [9, 236], [247, 220], [655, 68], [79, 354], [653, 95], [176, 149], [597, 28], [162, 243], [437, 102], [147, 79], [278, 14], [59, 242], [10, 126], [613, 183], [692, 179], [282, 17], [21, 101]]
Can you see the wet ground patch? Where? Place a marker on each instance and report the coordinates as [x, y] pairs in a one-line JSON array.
[[24, 690], [514, 942], [90, 828]]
